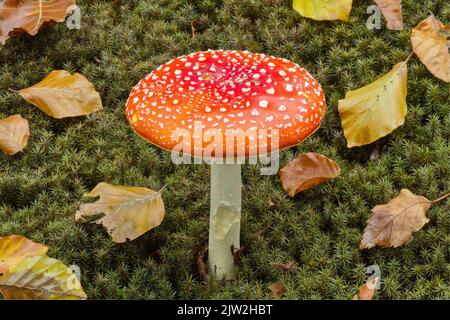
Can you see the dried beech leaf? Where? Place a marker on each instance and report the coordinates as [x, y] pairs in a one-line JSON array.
[[28, 16], [14, 133], [431, 43], [392, 224], [324, 9], [129, 212], [306, 171], [374, 111], [392, 11], [14, 249], [367, 291], [42, 278], [63, 95]]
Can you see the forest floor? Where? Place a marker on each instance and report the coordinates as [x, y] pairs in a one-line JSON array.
[[122, 41]]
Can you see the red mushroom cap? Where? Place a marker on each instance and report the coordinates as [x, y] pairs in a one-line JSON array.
[[226, 90]]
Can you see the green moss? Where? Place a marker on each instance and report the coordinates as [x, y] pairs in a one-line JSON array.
[[41, 188]]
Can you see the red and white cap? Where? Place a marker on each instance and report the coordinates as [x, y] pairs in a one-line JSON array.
[[226, 90]]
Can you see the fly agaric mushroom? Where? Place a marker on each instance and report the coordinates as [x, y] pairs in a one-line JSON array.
[[226, 90]]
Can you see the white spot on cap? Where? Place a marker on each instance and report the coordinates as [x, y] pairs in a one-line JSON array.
[[289, 87], [282, 107], [263, 103], [270, 91]]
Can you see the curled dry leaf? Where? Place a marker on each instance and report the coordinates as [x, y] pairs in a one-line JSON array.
[[28, 16], [392, 224], [306, 171], [431, 43], [288, 266], [367, 290], [324, 9], [14, 133], [277, 290], [40, 277], [129, 212], [63, 95], [14, 249], [392, 11], [374, 111]]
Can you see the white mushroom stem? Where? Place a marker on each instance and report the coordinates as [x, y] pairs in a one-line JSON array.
[[225, 219]]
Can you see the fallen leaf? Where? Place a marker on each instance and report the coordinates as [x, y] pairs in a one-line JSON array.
[[14, 249], [201, 263], [40, 278], [63, 95], [374, 111], [288, 266], [392, 224], [367, 290], [14, 133], [324, 9], [29, 16], [392, 11], [129, 212], [277, 290], [431, 43], [306, 171]]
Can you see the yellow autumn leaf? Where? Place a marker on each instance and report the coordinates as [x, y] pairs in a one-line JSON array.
[[431, 43], [129, 212], [324, 9], [63, 95], [374, 111], [14, 249], [14, 133], [40, 278]]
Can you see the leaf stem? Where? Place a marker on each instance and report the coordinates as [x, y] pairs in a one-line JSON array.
[[441, 198]]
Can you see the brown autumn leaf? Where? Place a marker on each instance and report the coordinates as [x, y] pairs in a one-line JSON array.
[[29, 16], [430, 40], [367, 290], [129, 212], [306, 171], [288, 266], [277, 290], [392, 11], [14, 249], [14, 133], [63, 95], [392, 224]]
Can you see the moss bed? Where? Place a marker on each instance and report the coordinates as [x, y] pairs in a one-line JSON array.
[[118, 44]]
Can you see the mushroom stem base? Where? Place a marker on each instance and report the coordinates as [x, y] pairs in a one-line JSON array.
[[225, 219]]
